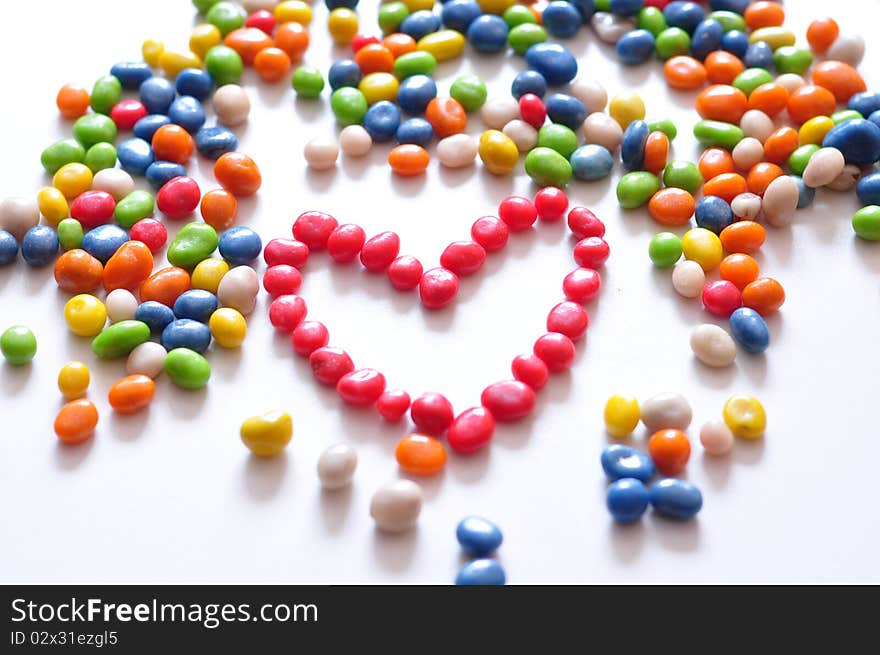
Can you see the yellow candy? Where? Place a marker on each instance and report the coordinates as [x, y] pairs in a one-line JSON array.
[[295, 11], [85, 315], [444, 45], [228, 327], [495, 6], [498, 152], [621, 415], [626, 108], [343, 25], [172, 63], [702, 246], [379, 86], [267, 434], [203, 38], [419, 5], [745, 416], [73, 380], [775, 37], [207, 274], [72, 179], [53, 205], [151, 51], [814, 130]]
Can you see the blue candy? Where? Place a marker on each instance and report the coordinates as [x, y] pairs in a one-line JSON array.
[[194, 82], [591, 162], [336, 4], [146, 127], [875, 117], [736, 6], [8, 248], [186, 333], [553, 61], [160, 172], [528, 82], [156, 315], [415, 93], [635, 47], [459, 14], [344, 72], [868, 189], [211, 142], [562, 19], [686, 15], [103, 241], [707, 37], [676, 498], [131, 74], [620, 461], [420, 23], [187, 112], [858, 140], [39, 245], [713, 213], [157, 94], [197, 304], [134, 155], [478, 536], [627, 499], [758, 55], [805, 194], [488, 33], [240, 245], [481, 572], [415, 130], [382, 120], [625, 7], [566, 109], [736, 43], [632, 147], [866, 102], [750, 330], [586, 8]]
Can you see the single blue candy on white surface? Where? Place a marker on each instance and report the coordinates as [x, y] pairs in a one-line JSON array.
[[619, 461], [627, 499], [553, 61], [478, 536], [635, 47], [675, 498], [750, 330], [591, 162], [481, 572]]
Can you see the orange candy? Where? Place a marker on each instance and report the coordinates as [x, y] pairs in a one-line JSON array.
[[399, 44], [218, 208], [764, 14], [761, 175], [684, 72], [247, 42], [670, 449], [76, 421], [293, 38], [272, 64], [129, 266], [72, 101], [727, 186], [780, 144], [716, 161], [821, 33], [743, 237], [771, 98], [765, 295], [374, 58], [172, 143], [446, 116], [722, 102], [671, 206], [131, 394], [76, 271], [165, 285], [420, 454], [809, 101], [722, 67], [840, 78], [408, 159], [739, 268], [656, 152], [238, 174]]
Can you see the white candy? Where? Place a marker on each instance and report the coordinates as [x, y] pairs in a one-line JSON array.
[[355, 141], [847, 48], [231, 105], [609, 27], [848, 178], [780, 201], [238, 289], [790, 81], [18, 215], [336, 466], [522, 134], [716, 437], [824, 167], [601, 129], [457, 151], [666, 410], [688, 279], [747, 153], [713, 346], [746, 206], [755, 123], [589, 92], [146, 359], [114, 181], [396, 506], [121, 305], [250, 6], [498, 112], [321, 153]]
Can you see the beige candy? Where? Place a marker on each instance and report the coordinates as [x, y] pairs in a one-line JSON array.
[[498, 112], [146, 359], [355, 141], [609, 28], [114, 181], [121, 305], [747, 153], [457, 151], [336, 466], [238, 289], [755, 123], [848, 178], [522, 134], [746, 206], [231, 105], [716, 437], [791, 82], [824, 167], [18, 215], [601, 129], [713, 346], [395, 507], [257, 5], [589, 92], [688, 278], [666, 410], [847, 48], [780, 201], [321, 153]]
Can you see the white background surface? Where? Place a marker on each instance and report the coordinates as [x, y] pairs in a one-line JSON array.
[[171, 495]]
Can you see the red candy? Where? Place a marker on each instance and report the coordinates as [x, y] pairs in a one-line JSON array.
[[379, 251], [345, 243], [438, 287], [392, 405], [314, 228], [591, 252], [509, 400], [518, 213], [555, 350], [463, 257], [330, 364], [286, 251], [93, 208], [262, 20], [178, 197], [583, 223], [405, 273], [721, 298], [581, 285], [490, 232], [568, 318], [471, 430], [530, 370], [281, 279], [362, 387], [432, 413], [532, 110], [151, 232], [361, 40], [126, 113], [286, 312], [551, 203], [308, 337]]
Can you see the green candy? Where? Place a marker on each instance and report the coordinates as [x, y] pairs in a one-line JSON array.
[[194, 242], [666, 126], [18, 345], [204, 5], [391, 15], [751, 78], [106, 93], [135, 206], [100, 156], [730, 20], [226, 16], [652, 19], [70, 233], [307, 82], [224, 65], [559, 138], [844, 115], [470, 91], [603, 5], [636, 188], [683, 175], [349, 105], [547, 167], [718, 133], [94, 128], [120, 339], [414, 63], [791, 59], [671, 42], [65, 151], [187, 368], [524, 36], [664, 249], [518, 15], [799, 159], [866, 223]]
